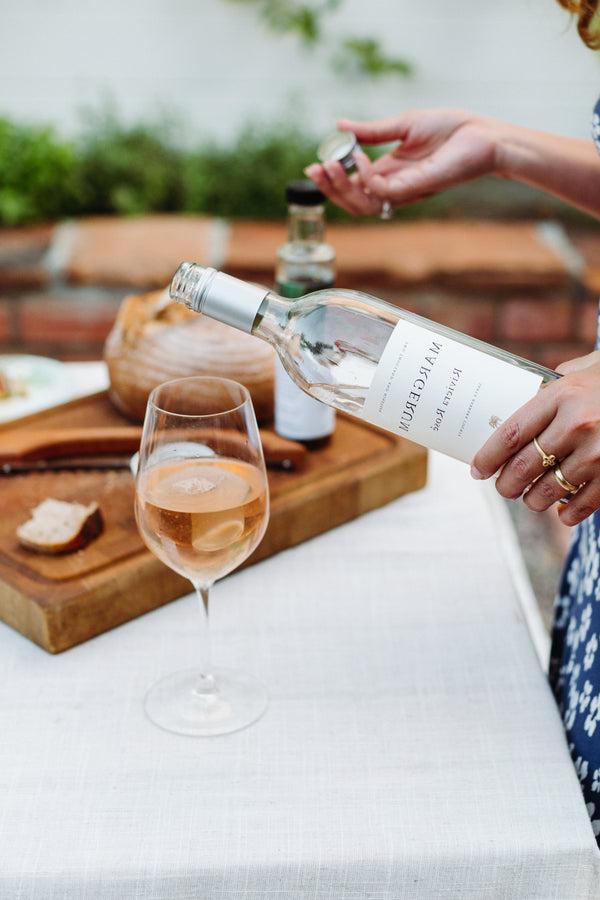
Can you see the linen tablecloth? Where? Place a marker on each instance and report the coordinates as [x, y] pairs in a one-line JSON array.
[[411, 748]]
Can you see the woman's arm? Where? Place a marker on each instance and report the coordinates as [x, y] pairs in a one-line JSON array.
[[569, 168], [439, 148]]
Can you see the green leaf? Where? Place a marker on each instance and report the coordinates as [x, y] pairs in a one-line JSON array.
[[364, 56], [38, 174]]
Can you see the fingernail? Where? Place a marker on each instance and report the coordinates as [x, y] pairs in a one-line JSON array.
[[310, 170], [475, 473]]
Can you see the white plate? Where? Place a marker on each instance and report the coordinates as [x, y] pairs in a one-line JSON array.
[[46, 381]]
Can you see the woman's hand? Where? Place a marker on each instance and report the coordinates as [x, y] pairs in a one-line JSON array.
[[437, 149], [565, 418]]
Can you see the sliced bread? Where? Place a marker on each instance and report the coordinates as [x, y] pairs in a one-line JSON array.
[[57, 526]]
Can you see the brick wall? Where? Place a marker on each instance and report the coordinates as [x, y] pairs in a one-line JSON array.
[[525, 287]]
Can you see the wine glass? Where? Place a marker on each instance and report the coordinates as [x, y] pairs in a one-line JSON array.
[[202, 506]]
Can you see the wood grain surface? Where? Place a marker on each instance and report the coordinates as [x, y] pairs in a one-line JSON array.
[[61, 601]]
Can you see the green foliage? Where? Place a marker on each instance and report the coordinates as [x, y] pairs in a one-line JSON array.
[[355, 55], [248, 178], [128, 170], [290, 17], [134, 170], [364, 56], [131, 170], [38, 174]]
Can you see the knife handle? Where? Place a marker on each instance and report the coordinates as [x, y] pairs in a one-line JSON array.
[[61, 443], [54, 443]]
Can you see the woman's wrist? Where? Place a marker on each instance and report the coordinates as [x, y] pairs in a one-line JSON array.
[[510, 149]]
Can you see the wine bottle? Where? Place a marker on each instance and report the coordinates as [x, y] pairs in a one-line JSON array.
[[305, 263], [380, 363]]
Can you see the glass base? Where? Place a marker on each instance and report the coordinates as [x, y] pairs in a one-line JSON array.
[[187, 703]]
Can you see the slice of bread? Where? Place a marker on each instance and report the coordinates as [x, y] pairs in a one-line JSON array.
[[57, 526]]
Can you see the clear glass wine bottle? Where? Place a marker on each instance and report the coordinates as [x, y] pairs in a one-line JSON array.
[[363, 356]]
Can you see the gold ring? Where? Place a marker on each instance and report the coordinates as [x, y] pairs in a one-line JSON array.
[[564, 483], [548, 459]]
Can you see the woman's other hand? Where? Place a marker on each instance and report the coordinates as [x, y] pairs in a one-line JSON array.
[[565, 418], [436, 149]]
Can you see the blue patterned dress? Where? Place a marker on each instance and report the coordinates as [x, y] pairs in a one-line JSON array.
[[575, 654]]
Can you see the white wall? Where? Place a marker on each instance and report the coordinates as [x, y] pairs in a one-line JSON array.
[[213, 61]]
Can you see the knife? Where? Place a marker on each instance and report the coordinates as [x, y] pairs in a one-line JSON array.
[[93, 448], [66, 465]]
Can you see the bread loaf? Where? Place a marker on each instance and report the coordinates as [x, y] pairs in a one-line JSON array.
[[57, 526], [154, 340]]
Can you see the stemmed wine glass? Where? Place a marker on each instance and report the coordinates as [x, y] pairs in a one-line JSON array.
[[202, 506]]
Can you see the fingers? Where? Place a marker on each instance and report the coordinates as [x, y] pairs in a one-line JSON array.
[[365, 170], [583, 504], [581, 362], [526, 464], [333, 181], [408, 180], [321, 178], [379, 131], [548, 490], [519, 430]]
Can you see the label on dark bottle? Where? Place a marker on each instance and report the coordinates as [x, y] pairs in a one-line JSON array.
[[298, 416], [299, 287]]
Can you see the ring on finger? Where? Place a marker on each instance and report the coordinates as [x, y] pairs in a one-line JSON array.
[[564, 482], [387, 211], [548, 459]]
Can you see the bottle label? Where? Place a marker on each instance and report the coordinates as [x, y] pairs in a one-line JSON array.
[[443, 394], [298, 416]]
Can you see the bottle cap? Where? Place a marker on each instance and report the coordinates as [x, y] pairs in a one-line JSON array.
[[340, 146], [304, 193]]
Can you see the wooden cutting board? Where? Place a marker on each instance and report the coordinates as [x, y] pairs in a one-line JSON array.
[[60, 601]]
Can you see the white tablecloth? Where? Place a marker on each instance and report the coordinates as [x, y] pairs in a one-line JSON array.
[[411, 748]]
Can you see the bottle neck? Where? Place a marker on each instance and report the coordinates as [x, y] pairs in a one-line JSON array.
[[306, 224], [271, 319], [229, 300]]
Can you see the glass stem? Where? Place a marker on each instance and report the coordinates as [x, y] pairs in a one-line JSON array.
[[206, 684]]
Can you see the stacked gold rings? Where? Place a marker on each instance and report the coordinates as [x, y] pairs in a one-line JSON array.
[[549, 461]]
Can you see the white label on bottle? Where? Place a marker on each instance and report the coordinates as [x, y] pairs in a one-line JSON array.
[[298, 416], [443, 394]]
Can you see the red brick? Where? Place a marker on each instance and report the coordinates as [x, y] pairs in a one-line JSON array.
[[466, 253], [588, 245], [472, 315], [469, 254], [21, 256], [23, 276], [91, 352], [587, 321], [5, 330], [535, 319], [521, 348], [65, 320], [142, 252], [21, 244], [252, 248]]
